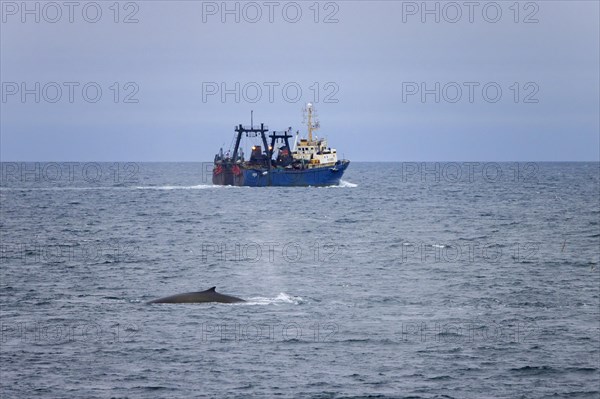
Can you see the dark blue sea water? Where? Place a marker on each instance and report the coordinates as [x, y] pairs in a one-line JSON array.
[[451, 280]]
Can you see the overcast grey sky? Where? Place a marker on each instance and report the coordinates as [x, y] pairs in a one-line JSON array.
[[486, 81]]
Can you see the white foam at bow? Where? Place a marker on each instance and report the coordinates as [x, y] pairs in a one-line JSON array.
[[344, 183]]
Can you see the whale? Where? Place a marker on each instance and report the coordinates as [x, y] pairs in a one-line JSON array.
[[210, 295]]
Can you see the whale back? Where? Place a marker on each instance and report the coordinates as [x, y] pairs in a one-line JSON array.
[[209, 295]]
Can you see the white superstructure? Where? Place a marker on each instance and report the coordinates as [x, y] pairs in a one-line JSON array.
[[314, 152]]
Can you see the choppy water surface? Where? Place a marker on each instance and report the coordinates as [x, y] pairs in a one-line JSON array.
[[439, 280]]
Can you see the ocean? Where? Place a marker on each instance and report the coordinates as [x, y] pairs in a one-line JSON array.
[[420, 280]]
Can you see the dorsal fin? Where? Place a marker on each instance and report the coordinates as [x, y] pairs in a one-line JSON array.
[[212, 289]]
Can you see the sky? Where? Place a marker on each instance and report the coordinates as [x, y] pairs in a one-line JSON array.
[[391, 80]]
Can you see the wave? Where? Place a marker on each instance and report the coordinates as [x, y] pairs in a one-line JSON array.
[[282, 298], [535, 370]]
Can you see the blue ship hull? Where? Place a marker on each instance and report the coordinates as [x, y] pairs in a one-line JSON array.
[[322, 176]]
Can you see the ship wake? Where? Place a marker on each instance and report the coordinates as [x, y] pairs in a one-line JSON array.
[[198, 187]]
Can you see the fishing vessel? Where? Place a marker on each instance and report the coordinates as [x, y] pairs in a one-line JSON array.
[[311, 162]]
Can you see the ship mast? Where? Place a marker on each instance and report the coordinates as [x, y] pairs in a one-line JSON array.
[[311, 126]]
